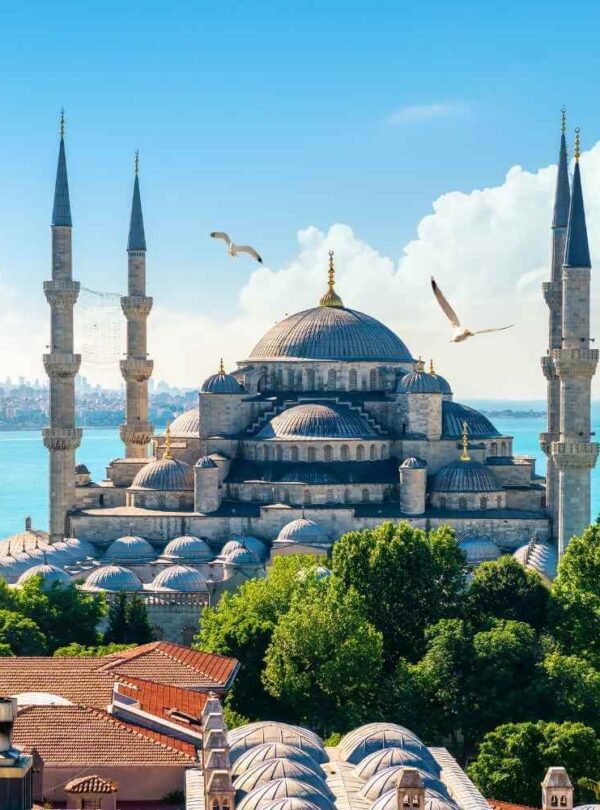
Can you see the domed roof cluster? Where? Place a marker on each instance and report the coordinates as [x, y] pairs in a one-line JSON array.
[[112, 578], [51, 574], [187, 424], [317, 420], [129, 549], [179, 578], [166, 474], [32, 547], [244, 738], [189, 549], [361, 742], [302, 531], [464, 476], [221, 383], [539, 556]]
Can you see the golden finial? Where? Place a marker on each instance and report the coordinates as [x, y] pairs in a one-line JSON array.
[[420, 365], [62, 122], [577, 144], [221, 367], [167, 454], [431, 368], [465, 443], [137, 161], [331, 298], [563, 119]]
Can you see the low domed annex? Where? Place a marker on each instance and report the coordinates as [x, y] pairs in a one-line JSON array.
[[112, 578]]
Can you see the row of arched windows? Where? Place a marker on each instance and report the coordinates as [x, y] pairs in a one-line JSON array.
[[266, 495], [482, 503], [264, 451], [502, 447], [307, 380]]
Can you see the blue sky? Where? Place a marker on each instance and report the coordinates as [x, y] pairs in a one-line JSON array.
[[264, 118]]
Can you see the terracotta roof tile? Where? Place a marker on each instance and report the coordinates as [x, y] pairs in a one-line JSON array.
[[164, 700], [496, 805], [91, 784]]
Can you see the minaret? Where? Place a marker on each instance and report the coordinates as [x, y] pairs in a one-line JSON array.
[[553, 296], [574, 454], [61, 438], [136, 368]]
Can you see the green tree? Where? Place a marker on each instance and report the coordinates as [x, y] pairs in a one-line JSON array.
[[505, 589], [139, 629], [80, 651], [242, 625], [514, 757], [397, 569], [325, 660], [572, 689], [116, 630], [20, 634]]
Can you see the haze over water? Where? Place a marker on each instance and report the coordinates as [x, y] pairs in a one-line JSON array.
[[23, 456]]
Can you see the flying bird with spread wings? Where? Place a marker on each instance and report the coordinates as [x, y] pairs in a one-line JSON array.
[[460, 332], [234, 249]]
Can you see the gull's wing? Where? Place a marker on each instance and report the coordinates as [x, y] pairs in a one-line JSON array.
[[450, 313], [250, 250], [221, 235], [495, 329]]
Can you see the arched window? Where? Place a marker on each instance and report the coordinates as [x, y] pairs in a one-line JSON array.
[[353, 379], [499, 501], [483, 502], [360, 453], [383, 451], [329, 496], [140, 501], [311, 454], [554, 801], [346, 495], [373, 378], [462, 502], [286, 496], [225, 805], [493, 449], [373, 452], [563, 801], [291, 377], [345, 452], [307, 496], [279, 452], [365, 496], [503, 448], [294, 453], [101, 500], [299, 380], [272, 380], [310, 379], [332, 379], [328, 452], [215, 805], [442, 502]]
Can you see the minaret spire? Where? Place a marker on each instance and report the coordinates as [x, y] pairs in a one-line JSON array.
[[562, 196], [61, 437], [136, 368], [577, 251]]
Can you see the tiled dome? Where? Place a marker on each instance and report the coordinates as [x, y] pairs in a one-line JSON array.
[[419, 382], [386, 758], [166, 474], [464, 476], [331, 333], [49, 573], [273, 750], [315, 420], [112, 578], [453, 417], [188, 548], [180, 578], [480, 549], [241, 558], [539, 556], [302, 531], [129, 549], [221, 383], [186, 424]]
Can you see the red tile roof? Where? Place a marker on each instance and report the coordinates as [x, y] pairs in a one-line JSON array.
[[495, 805], [84, 737], [163, 700], [91, 784]]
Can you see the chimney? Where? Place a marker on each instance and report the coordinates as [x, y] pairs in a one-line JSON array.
[[410, 790], [8, 712], [28, 524], [557, 790]]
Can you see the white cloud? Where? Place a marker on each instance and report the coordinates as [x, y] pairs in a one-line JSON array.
[[488, 249], [416, 113]]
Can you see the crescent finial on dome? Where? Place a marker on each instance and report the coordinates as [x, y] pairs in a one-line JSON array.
[[167, 454], [465, 443], [331, 298]]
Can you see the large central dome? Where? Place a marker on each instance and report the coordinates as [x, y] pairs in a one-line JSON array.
[[331, 333]]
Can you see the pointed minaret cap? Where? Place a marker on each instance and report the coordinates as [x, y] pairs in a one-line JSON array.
[[577, 251], [61, 210], [137, 237], [562, 197]]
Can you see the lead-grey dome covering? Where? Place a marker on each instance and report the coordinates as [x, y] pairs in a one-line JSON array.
[[317, 420]]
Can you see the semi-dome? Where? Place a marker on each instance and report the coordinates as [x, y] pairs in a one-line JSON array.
[[186, 424], [309, 474], [479, 549], [273, 750], [181, 578], [317, 420], [361, 742], [419, 382], [414, 463], [464, 476], [454, 415], [385, 780], [331, 333], [221, 383], [281, 768], [283, 789], [50, 574], [112, 578], [303, 531], [188, 548], [388, 757], [539, 556], [166, 474], [129, 549]]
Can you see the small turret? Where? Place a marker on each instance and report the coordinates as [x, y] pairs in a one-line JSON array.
[[557, 790], [410, 790]]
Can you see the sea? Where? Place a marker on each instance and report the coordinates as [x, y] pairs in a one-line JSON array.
[[24, 460]]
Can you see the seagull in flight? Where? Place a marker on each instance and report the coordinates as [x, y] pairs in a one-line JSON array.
[[234, 249], [460, 332]]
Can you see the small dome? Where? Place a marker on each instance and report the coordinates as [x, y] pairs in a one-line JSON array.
[[284, 789], [419, 382], [187, 424], [273, 750], [221, 383], [49, 573], [389, 801], [414, 463], [231, 545], [385, 780], [281, 768], [130, 549], [464, 476], [310, 474], [166, 474], [180, 578], [541, 557], [112, 578], [361, 742], [206, 463], [454, 415], [256, 546], [303, 531], [386, 758], [253, 734], [188, 548], [316, 420], [479, 549], [290, 803], [241, 558]]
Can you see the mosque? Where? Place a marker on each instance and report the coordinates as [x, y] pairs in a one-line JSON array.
[[329, 424]]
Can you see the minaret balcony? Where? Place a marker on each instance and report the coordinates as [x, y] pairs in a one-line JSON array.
[[573, 455], [548, 367], [136, 370], [546, 440], [139, 434], [136, 307], [61, 294], [575, 362], [552, 294], [62, 438], [59, 364]]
